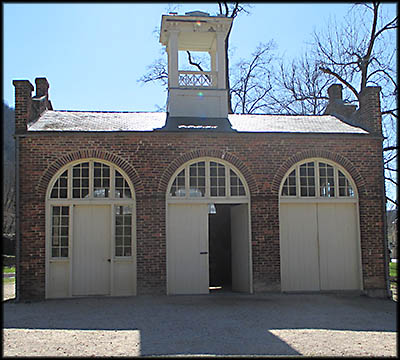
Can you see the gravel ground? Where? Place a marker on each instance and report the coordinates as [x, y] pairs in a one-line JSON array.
[[8, 291], [215, 324]]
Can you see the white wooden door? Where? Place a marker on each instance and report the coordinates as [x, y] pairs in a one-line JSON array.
[[187, 249], [91, 250], [240, 256], [339, 253], [299, 247]]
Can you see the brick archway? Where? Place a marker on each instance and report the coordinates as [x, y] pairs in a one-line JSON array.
[[219, 154], [337, 158], [84, 154]]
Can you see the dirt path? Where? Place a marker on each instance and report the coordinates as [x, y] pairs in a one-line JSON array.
[[218, 324]]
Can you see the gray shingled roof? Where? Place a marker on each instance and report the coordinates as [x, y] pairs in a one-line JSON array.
[[58, 120]]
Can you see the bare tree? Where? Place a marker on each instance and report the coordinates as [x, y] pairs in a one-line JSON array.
[[358, 52], [231, 10], [300, 87], [251, 81], [157, 71], [363, 53]]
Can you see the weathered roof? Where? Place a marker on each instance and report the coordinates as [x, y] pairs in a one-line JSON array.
[[60, 120], [292, 124]]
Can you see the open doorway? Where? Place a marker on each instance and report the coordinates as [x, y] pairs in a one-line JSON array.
[[219, 237], [229, 250]]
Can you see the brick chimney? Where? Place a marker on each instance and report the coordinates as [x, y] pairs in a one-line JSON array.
[[40, 102], [336, 105], [23, 104], [42, 87], [369, 115]]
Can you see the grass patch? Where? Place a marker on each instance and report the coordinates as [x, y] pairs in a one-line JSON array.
[[393, 269], [8, 269]]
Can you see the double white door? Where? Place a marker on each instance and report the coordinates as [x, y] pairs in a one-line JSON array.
[[319, 247], [187, 249]]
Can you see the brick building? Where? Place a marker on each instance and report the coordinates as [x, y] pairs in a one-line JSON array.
[[196, 199]]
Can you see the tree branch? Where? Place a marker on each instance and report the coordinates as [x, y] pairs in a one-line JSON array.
[[394, 182], [389, 148], [337, 76], [192, 62], [392, 201]]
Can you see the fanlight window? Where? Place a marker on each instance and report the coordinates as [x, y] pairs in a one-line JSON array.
[[90, 179], [207, 178], [317, 179], [95, 181]]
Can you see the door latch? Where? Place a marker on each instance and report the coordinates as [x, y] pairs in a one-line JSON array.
[[203, 252]]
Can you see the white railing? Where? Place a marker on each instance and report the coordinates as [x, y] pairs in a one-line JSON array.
[[197, 79]]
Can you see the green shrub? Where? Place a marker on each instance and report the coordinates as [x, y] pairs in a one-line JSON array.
[[393, 269]]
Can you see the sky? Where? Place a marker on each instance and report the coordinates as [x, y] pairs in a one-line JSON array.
[[93, 54]]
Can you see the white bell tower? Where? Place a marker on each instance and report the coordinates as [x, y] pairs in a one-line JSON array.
[[196, 97]]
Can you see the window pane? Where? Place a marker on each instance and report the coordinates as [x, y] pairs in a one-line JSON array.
[[307, 182], [345, 188], [197, 180], [127, 220], [326, 180], [122, 189], [123, 230], [217, 179], [178, 186], [59, 190], [80, 180], [60, 231], [237, 188], [289, 186], [101, 180]]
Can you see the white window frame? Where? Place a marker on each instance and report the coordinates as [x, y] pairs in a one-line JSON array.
[[208, 198], [90, 200], [318, 197]]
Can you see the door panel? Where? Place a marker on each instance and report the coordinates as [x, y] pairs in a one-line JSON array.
[[339, 259], [187, 249], [299, 247], [91, 250], [240, 248]]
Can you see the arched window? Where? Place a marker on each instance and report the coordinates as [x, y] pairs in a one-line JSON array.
[[317, 179], [207, 178], [90, 182], [90, 179]]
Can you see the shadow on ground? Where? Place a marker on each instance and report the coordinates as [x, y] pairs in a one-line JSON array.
[[207, 324]]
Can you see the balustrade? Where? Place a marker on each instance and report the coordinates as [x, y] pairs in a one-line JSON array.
[[197, 79]]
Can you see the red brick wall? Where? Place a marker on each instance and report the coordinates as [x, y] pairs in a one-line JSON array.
[[151, 158]]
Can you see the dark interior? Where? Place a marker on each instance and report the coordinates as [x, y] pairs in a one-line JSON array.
[[220, 248]]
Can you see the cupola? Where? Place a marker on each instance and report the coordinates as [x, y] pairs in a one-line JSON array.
[[196, 99]]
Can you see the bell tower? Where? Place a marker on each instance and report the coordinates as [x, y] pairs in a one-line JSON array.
[[196, 99]]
